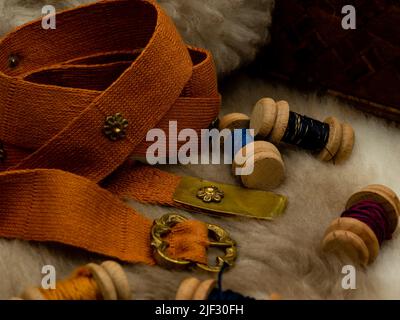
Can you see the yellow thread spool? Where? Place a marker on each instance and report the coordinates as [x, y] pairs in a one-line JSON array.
[[107, 281], [81, 286]]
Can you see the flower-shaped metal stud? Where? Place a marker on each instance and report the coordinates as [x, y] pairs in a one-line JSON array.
[[2, 153], [13, 61], [115, 127], [210, 194]]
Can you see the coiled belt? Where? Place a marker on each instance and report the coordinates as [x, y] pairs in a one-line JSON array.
[[75, 103]]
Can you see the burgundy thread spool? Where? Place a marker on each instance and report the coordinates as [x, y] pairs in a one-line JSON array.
[[370, 217]]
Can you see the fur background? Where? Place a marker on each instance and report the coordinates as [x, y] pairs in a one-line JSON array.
[[232, 30], [281, 256]]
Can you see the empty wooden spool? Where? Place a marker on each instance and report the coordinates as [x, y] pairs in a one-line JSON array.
[[351, 238]]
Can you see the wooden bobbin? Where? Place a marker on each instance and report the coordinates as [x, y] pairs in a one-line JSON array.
[[366, 241], [347, 245], [354, 239], [270, 121], [383, 195], [268, 167], [334, 140], [110, 279], [32, 293], [281, 122], [346, 145], [103, 280], [194, 289], [263, 117], [119, 278], [187, 289], [233, 121], [204, 289]]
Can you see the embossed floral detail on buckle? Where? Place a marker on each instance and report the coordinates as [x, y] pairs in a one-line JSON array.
[[210, 194], [115, 127]]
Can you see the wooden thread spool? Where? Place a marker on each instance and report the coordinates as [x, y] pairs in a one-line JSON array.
[[270, 120], [350, 238], [194, 289], [110, 279], [269, 168], [234, 121]]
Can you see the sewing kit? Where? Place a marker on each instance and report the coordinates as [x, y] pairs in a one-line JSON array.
[[91, 112]]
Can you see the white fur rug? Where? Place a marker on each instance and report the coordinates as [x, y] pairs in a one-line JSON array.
[[280, 256], [232, 30]]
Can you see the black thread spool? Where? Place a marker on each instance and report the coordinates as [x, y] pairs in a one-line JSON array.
[[268, 166], [330, 140]]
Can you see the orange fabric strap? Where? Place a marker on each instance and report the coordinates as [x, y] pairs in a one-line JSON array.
[[57, 87]]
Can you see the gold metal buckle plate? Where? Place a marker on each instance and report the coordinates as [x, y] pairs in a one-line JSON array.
[[216, 198], [220, 239]]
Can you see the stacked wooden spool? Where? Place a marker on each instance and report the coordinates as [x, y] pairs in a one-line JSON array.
[[194, 289], [269, 120], [351, 238], [269, 169], [110, 278]]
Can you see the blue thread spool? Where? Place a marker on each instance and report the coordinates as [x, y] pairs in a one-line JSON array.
[[240, 138]]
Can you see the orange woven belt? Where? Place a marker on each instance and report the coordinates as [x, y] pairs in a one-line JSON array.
[[75, 103]]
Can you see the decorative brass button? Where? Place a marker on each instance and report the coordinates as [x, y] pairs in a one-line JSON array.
[[210, 194], [13, 61], [2, 153], [115, 127]]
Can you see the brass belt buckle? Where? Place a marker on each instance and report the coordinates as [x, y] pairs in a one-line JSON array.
[[220, 239]]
